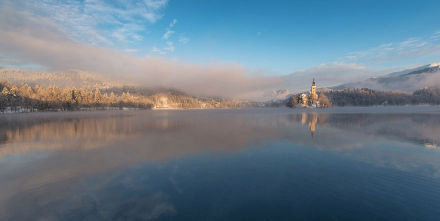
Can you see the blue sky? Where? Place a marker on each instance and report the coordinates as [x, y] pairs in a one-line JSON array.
[[270, 38], [285, 36], [278, 37], [281, 37]]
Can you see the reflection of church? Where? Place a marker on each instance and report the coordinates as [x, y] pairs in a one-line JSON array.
[[311, 119], [312, 123]]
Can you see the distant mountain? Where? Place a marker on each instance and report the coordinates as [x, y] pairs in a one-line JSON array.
[[409, 80], [66, 79]]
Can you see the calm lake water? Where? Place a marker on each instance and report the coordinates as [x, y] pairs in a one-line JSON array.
[[258, 164]]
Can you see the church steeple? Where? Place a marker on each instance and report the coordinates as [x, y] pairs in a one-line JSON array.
[[313, 94]]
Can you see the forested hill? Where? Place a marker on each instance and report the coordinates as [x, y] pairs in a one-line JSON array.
[[18, 98], [73, 78], [368, 97]]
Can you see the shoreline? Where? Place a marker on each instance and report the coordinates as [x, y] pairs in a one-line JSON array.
[[335, 109]]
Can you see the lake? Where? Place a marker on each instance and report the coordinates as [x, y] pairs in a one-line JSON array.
[[380, 163]]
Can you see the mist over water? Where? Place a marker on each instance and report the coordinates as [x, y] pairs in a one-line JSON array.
[[256, 164]]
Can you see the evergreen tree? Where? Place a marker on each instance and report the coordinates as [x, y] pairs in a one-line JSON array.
[[292, 101]]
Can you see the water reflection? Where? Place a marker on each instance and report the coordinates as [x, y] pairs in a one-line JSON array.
[[417, 128], [199, 131], [311, 119], [141, 155]]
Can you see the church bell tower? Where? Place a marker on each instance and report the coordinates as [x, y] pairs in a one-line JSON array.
[[313, 94]]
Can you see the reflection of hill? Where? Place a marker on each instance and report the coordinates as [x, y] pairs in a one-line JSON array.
[[417, 128], [98, 161], [38, 134], [82, 143], [174, 134], [180, 133]]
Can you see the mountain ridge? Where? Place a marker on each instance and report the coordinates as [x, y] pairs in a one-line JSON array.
[[71, 78], [408, 80]]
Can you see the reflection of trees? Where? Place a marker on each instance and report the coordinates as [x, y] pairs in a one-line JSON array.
[[179, 133], [89, 143], [126, 139], [312, 119], [164, 134], [418, 128], [75, 131]]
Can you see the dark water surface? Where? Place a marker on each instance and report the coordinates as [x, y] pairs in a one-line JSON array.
[[260, 164]]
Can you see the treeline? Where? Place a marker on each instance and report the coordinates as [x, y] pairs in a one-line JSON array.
[[368, 97], [25, 98], [143, 91]]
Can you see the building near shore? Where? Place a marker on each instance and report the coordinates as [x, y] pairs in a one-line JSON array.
[[309, 99]]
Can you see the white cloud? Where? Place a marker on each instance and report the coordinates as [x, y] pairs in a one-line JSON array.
[[183, 40], [351, 57], [408, 43], [131, 50], [137, 37], [412, 48], [328, 75], [118, 36], [156, 4], [157, 51], [168, 34], [436, 36], [96, 21], [170, 46], [173, 22]]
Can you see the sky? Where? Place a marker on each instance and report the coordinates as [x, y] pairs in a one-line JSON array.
[[231, 48]]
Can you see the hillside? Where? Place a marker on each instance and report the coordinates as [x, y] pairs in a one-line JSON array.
[[409, 80], [74, 78], [26, 98], [368, 97]]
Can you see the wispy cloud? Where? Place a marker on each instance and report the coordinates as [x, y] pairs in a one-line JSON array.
[[436, 36], [409, 48], [156, 4], [156, 50], [131, 50], [168, 34], [169, 31], [329, 74], [183, 40], [170, 46], [97, 22], [173, 22]]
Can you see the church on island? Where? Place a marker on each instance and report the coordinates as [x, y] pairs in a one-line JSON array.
[[310, 99]]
